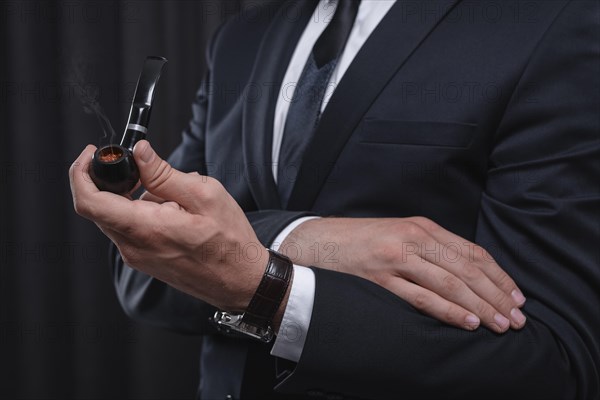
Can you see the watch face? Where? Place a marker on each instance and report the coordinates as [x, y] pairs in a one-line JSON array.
[[234, 325]]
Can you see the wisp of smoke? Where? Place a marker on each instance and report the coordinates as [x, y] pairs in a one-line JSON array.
[[88, 95]]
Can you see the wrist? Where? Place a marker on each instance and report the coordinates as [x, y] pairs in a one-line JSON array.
[[251, 283], [266, 304], [301, 245], [323, 243]]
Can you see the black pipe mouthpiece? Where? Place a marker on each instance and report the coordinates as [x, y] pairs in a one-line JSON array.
[[113, 168]]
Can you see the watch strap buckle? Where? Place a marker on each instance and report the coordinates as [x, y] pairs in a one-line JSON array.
[[234, 325]]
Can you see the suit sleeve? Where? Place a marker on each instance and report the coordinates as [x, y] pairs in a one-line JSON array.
[[539, 218], [151, 301]]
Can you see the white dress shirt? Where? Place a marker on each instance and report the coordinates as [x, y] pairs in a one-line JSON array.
[[296, 319]]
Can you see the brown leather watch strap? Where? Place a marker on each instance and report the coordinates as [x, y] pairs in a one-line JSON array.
[[270, 292]]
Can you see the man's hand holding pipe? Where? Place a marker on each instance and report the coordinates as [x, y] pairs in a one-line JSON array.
[[188, 232]]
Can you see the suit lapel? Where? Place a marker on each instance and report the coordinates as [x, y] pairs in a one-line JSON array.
[[392, 42], [271, 63]]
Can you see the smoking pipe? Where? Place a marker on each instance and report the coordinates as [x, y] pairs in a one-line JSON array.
[[113, 168]]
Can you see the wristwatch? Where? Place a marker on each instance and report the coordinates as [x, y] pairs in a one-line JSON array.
[[256, 322]]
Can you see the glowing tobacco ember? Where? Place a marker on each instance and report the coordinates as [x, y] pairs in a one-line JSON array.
[[110, 155]]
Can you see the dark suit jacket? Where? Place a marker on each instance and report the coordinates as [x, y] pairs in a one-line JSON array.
[[482, 116]]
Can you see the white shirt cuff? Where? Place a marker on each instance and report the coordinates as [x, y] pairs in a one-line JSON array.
[[296, 318]]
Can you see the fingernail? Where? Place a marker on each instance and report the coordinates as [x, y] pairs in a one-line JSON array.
[[145, 150], [502, 321], [517, 316], [472, 321], [518, 297]]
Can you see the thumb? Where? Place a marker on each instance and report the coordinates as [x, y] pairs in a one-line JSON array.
[[159, 178]]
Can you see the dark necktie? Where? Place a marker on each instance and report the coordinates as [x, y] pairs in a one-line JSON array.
[[305, 108]]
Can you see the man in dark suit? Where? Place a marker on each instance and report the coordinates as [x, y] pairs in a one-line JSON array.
[[479, 117]]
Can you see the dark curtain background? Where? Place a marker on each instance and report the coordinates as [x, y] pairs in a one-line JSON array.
[[62, 331]]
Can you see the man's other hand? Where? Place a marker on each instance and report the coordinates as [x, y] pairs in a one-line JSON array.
[[436, 271]]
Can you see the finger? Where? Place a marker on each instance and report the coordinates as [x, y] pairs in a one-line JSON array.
[[164, 226], [489, 290], [172, 204], [451, 288], [434, 305], [481, 273], [147, 196], [164, 181], [476, 255], [91, 203], [79, 169]]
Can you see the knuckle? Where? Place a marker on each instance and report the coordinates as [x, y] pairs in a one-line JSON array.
[[77, 205], [207, 189], [159, 176], [77, 209], [504, 281], [211, 182], [214, 186], [426, 223], [483, 256], [377, 277], [80, 207], [500, 300], [72, 169], [451, 284], [471, 274], [482, 308], [450, 314], [421, 301], [157, 230], [387, 255], [414, 231], [487, 255]]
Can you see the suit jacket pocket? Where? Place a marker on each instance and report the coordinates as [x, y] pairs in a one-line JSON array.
[[418, 133]]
